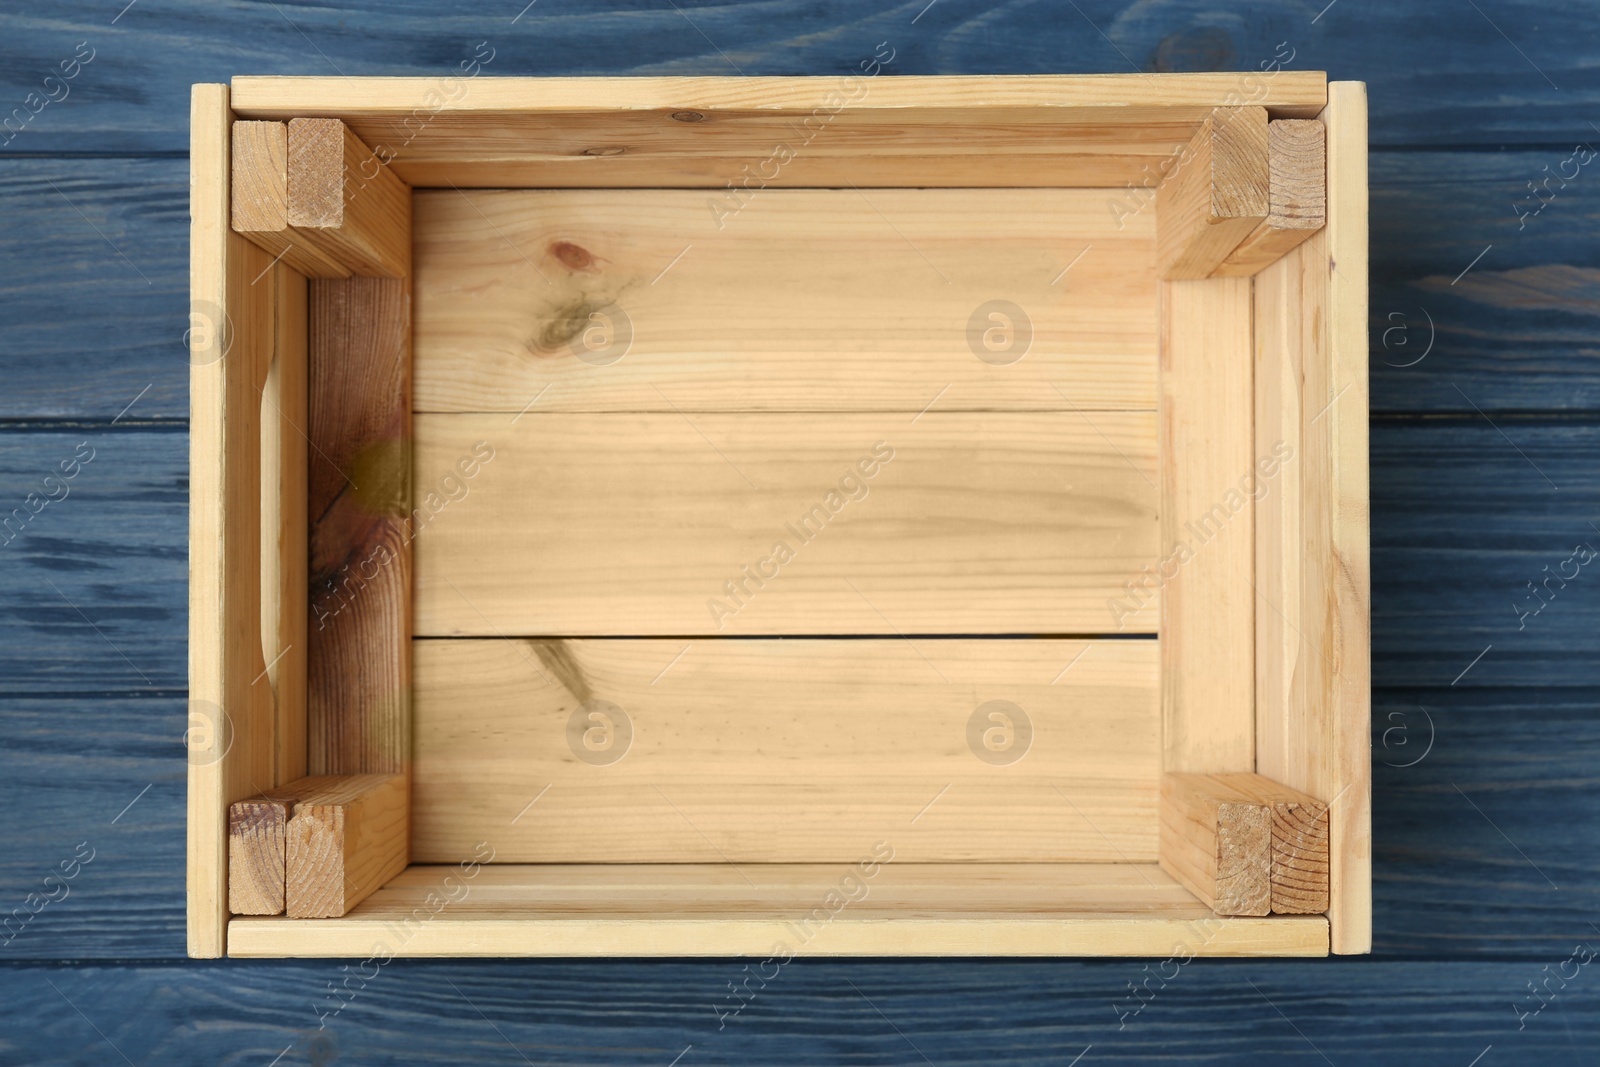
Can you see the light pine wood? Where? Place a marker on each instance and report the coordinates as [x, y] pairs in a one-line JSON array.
[[1298, 851], [1208, 478], [258, 844], [1096, 131], [345, 202], [1313, 560], [805, 300], [345, 839], [646, 524], [284, 523], [1217, 842], [1297, 153], [261, 200], [358, 670], [260, 174], [231, 745], [1217, 194], [797, 750], [968, 909]]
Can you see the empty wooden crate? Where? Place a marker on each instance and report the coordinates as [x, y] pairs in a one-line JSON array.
[[770, 516]]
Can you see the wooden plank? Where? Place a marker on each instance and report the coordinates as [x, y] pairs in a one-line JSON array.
[[1208, 483], [1298, 199], [230, 743], [346, 838], [100, 514], [1464, 524], [702, 132], [1313, 570], [661, 910], [260, 209], [1473, 90], [358, 661], [655, 524], [284, 524], [344, 202], [818, 300], [1342, 771], [1243, 842], [258, 830], [1217, 843], [1121, 99], [760, 752], [93, 864], [1491, 303], [1216, 195], [1517, 327], [1427, 1011]]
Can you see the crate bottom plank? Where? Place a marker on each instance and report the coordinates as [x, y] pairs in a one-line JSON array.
[[767, 910], [794, 750]]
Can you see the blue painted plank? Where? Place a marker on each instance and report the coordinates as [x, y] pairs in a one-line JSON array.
[[1486, 292], [1463, 520], [1516, 71], [1466, 513], [94, 288], [1486, 834], [657, 1013], [1467, 861], [94, 560], [1516, 332], [94, 794]]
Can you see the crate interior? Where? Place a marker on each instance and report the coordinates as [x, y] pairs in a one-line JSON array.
[[767, 523]]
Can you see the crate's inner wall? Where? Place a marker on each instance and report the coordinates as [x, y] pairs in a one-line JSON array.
[[775, 494]]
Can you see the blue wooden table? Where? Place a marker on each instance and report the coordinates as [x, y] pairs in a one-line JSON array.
[[1485, 471]]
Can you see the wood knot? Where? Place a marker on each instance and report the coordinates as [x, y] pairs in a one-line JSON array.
[[573, 257]]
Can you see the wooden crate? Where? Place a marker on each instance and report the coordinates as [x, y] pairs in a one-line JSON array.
[[779, 516]]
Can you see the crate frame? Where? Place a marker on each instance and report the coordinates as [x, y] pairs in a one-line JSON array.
[[1306, 679]]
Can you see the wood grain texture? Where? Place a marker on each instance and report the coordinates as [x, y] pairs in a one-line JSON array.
[[1462, 524], [612, 500], [344, 202], [358, 663], [1298, 197], [1446, 884], [112, 542], [260, 209], [1430, 1013], [99, 806], [1216, 194], [284, 523], [794, 300], [1474, 89], [914, 909], [787, 750], [258, 845], [1517, 328], [347, 837], [1217, 843], [230, 744], [257, 842], [1317, 740], [1297, 871], [689, 132], [1208, 484]]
